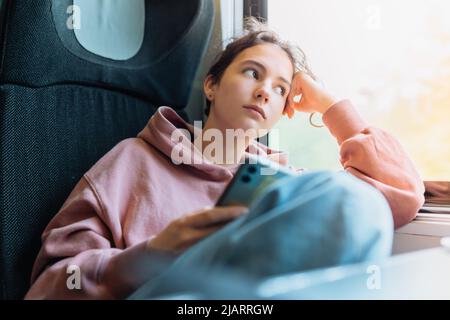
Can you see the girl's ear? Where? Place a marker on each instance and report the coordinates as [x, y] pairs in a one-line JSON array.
[[209, 87]]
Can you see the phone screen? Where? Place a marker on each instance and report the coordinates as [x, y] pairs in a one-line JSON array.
[[250, 181]]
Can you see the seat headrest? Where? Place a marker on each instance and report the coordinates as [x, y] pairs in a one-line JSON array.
[[148, 48], [110, 29]]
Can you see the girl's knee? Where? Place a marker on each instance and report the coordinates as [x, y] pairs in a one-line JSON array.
[[367, 217]]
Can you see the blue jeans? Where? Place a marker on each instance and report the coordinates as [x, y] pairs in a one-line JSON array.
[[314, 220]]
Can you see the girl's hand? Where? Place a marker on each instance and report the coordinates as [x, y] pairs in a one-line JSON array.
[[184, 232], [314, 98]]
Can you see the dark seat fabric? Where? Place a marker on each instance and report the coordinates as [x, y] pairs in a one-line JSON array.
[[62, 108]]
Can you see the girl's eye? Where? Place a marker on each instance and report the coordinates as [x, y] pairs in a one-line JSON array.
[[252, 73], [281, 90]]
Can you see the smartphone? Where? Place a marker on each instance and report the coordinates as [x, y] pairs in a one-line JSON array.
[[251, 180]]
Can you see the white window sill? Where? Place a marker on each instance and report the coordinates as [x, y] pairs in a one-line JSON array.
[[426, 231]]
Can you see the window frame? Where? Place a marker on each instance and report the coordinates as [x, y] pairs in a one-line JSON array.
[[259, 9]]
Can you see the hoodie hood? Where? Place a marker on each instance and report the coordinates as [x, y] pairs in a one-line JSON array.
[[173, 136]]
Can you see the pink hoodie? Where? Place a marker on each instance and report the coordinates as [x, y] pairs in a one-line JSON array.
[[135, 191]]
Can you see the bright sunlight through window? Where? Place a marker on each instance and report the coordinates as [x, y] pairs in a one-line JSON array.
[[390, 58]]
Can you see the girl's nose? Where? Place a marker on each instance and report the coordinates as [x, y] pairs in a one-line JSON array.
[[262, 94]]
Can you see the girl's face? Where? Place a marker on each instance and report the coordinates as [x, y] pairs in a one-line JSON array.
[[253, 90]]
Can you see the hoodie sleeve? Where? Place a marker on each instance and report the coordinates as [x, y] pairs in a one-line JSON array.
[[78, 237], [376, 157]]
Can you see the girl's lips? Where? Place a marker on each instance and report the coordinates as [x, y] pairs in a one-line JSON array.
[[257, 110]]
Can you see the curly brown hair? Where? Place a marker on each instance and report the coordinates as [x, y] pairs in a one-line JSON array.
[[255, 33]]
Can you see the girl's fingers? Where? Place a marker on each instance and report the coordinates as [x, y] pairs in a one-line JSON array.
[[288, 111], [296, 90], [196, 235], [214, 216], [296, 87]]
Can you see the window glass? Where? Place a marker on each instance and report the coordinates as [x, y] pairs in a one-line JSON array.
[[390, 58]]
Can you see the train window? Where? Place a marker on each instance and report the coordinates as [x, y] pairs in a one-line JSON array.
[[390, 58]]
